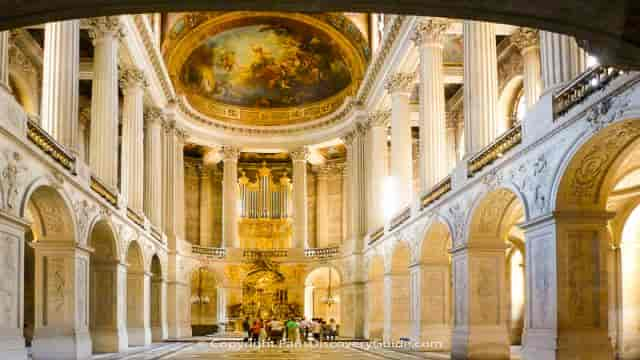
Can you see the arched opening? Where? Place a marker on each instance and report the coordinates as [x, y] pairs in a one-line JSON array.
[[321, 294], [400, 293], [375, 299], [204, 316], [435, 291], [108, 331], [56, 315], [595, 230], [138, 329], [158, 294], [510, 96], [484, 269]]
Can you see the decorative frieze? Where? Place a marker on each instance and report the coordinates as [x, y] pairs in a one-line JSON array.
[[430, 31], [399, 82], [105, 26], [132, 77]]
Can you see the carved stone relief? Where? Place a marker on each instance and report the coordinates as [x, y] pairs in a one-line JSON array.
[[8, 281], [12, 179]]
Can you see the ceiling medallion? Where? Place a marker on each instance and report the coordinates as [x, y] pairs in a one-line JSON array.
[[266, 68]]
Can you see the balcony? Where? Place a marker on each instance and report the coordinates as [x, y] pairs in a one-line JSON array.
[[39, 137], [264, 253], [209, 251], [399, 219], [439, 190], [103, 190], [581, 88], [495, 150], [322, 253]]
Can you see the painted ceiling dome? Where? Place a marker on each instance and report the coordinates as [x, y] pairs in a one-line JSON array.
[[265, 68]]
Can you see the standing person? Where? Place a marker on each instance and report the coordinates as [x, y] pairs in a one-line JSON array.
[[276, 331], [255, 331], [246, 328], [316, 329], [262, 338], [333, 329], [305, 326], [292, 326]]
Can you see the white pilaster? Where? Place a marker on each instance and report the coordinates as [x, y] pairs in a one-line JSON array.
[[300, 214], [221, 295], [398, 85], [60, 86], [158, 309], [173, 183], [428, 40], [132, 82], [139, 308], [108, 307], [230, 197], [480, 85], [105, 33], [562, 59], [153, 166], [206, 206], [527, 40]]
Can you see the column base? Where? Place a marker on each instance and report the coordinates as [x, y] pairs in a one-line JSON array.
[[435, 338], [109, 340], [139, 336], [158, 333], [546, 344], [13, 347], [481, 343], [60, 346]]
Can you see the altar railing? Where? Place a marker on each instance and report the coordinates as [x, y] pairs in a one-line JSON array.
[[322, 252], [257, 253], [209, 251]]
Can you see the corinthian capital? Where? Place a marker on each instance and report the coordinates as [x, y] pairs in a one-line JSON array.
[[153, 115], [105, 26], [399, 82], [379, 118], [525, 38], [229, 152], [132, 78], [300, 154], [430, 31]]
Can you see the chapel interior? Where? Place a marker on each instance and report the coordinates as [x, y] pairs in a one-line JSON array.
[[444, 187]]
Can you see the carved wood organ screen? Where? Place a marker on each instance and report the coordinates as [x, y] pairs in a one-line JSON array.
[[266, 197]]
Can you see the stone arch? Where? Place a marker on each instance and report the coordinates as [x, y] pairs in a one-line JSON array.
[[107, 288], [50, 211], [508, 95], [492, 214], [138, 330], [316, 290], [375, 297]]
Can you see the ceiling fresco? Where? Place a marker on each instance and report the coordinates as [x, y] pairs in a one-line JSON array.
[[266, 69]]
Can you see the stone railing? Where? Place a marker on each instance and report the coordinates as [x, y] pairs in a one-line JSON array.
[[495, 150], [322, 252], [376, 235], [436, 192], [135, 217], [209, 251], [103, 190], [400, 218], [579, 89], [257, 253], [50, 146]]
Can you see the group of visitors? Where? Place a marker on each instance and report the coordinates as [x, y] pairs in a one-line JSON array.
[[291, 330]]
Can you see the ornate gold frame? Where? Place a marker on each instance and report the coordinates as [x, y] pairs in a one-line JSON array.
[[180, 47]]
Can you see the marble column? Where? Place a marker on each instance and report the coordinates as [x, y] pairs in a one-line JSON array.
[[566, 286], [398, 85], [428, 38], [299, 158], [322, 207], [415, 299], [105, 33], [132, 82], [84, 124], [345, 202], [153, 118], [173, 183], [60, 84], [387, 326], [206, 206], [12, 243], [230, 197], [378, 123], [139, 308], [480, 85], [355, 142], [4, 59], [562, 59], [221, 301], [62, 306], [527, 41]]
